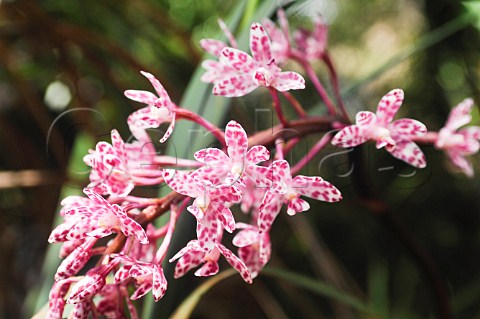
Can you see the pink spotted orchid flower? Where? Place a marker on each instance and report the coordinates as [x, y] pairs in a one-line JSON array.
[[87, 287], [98, 219], [119, 167], [288, 189], [109, 174], [312, 44], [147, 276], [111, 304], [260, 69], [395, 136], [193, 255], [211, 204], [160, 110], [254, 247], [459, 143], [215, 69], [239, 162]]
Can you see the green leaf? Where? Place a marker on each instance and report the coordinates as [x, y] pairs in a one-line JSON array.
[[378, 287], [188, 305], [321, 288], [473, 8]]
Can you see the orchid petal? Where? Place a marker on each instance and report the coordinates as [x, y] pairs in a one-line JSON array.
[[141, 96], [388, 106], [234, 85], [410, 153], [316, 188], [238, 60], [289, 80], [350, 136], [260, 44]]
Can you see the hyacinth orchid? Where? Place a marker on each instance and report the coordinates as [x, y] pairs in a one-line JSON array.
[[250, 72], [193, 255], [160, 109], [254, 247], [109, 174], [459, 143], [147, 276], [288, 190], [312, 44], [87, 287], [395, 136], [240, 163], [98, 219], [217, 179]]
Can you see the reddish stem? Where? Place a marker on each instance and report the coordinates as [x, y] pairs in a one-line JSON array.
[[315, 81], [278, 107], [313, 151], [185, 114], [336, 87], [296, 105]]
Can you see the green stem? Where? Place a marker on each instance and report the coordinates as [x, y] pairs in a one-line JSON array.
[[320, 288]]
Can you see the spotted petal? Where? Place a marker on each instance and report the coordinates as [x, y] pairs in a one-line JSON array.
[[207, 231], [257, 154], [460, 115], [297, 205], [181, 182], [190, 257], [235, 262], [260, 44], [71, 265], [212, 46], [269, 209], [128, 226], [210, 268], [410, 153], [141, 96], [246, 236], [388, 106], [234, 85], [285, 81], [461, 162], [238, 60], [164, 99], [211, 156], [365, 119], [316, 188], [406, 128], [236, 141], [350, 136]]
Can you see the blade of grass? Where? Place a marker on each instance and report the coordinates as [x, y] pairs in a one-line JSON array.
[[188, 305], [320, 288], [378, 287]]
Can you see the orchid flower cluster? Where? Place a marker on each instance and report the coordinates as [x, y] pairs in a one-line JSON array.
[[113, 233]]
